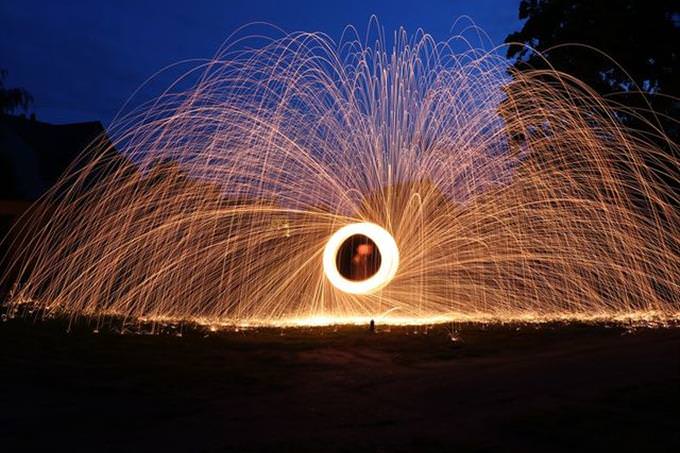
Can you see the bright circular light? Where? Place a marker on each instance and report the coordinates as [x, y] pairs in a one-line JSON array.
[[387, 255]]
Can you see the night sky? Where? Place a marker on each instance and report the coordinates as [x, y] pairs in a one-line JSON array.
[[82, 59]]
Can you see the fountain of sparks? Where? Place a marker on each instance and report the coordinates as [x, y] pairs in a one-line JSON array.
[[304, 182]]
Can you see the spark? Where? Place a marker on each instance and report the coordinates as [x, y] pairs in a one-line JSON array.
[[485, 197]]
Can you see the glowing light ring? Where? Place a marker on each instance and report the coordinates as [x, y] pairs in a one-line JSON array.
[[388, 251]]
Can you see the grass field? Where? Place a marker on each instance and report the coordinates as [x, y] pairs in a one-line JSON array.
[[550, 387]]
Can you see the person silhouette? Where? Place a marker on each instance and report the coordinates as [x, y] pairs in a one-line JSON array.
[[371, 326]]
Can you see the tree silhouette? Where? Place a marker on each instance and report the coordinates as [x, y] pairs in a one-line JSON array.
[[13, 99], [642, 36]]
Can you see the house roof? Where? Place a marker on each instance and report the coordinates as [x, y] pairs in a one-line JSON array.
[[34, 154]]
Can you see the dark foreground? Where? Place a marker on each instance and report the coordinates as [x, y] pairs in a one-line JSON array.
[[510, 388]]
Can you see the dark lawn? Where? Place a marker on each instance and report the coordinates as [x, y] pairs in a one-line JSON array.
[[511, 388]]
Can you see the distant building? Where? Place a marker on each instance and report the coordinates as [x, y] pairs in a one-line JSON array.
[[33, 155]]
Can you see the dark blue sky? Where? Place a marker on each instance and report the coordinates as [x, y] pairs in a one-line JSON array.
[[82, 59]]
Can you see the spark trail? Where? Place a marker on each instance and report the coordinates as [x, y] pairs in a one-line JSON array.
[[507, 197]]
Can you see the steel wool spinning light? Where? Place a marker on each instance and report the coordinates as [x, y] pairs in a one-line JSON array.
[[302, 181]]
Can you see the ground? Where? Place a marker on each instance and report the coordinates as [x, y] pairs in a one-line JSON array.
[[556, 387]]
